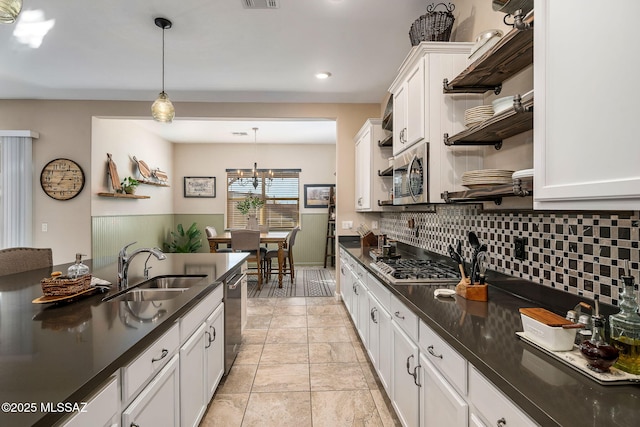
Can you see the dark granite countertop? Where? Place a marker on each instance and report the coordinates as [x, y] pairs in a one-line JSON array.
[[484, 333], [62, 352]]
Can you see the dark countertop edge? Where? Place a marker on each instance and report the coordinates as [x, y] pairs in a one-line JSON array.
[[134, 351], [493, 375]]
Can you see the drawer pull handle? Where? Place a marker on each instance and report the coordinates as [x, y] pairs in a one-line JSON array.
[[208, 339], [374, 310], [162, 356], [409, 365], [431, 352], [355, 289], [213, 333], [397, 314], [133, 425], [501, 422], [415, 375]]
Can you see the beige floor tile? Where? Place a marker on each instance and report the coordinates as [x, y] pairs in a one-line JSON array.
[[292, 301], [260, 310], [285, 354], [254, 336], [288, 335], [239, 380], [332, 352], [274, 378], [287, 321], [385, 410], [323, 301], [361, 352], [335, 334], [292, 310], [323, 310], [344, 408], [249, 354], [226, 410], [336, 376], [278, 409], [262, 301], [316, 321], [258, 322], [369, 375]]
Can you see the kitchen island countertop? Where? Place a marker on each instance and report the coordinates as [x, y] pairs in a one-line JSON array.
[[485, 334], [61, 352]]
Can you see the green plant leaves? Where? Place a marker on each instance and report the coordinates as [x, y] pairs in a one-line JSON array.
[[184, 242]]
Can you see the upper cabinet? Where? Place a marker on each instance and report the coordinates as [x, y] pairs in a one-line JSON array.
[[372, 158], [586, 153]]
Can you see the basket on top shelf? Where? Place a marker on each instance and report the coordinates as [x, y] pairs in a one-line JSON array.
[[433, 26], [65, 286]]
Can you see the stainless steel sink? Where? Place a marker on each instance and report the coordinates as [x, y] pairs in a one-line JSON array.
[[139, 295], [170, 282]]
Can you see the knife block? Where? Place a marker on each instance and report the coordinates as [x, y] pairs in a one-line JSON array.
[[368, 241], [475, 292]]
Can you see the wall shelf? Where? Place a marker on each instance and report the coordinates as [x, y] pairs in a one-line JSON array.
[[157, 184], [387, 142], [123, 196], [510, 55], [387, 172], [519, 188]]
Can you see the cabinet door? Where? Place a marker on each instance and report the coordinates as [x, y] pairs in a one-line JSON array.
[[385, 356], [405, 395], [400, 120], [362, 294], [101, 410], [416, 104], [214, 345], [159, 403], [440, 404], [345, 283], [585, 135], [363, 172], [374, 332], [192, 380]]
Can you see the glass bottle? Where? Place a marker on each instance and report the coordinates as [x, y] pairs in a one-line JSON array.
[[77, 269], [625, 327]]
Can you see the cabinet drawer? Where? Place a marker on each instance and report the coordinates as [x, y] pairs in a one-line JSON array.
[[382, 294], [492, 404], [447, 360], [405, 318], [361, 272], [198, 314], [138, 372], [101, 407]]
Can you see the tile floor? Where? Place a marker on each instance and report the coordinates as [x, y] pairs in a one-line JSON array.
[[301, 364]]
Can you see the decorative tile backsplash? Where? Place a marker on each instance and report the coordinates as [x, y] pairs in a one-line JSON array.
[[580, 253]]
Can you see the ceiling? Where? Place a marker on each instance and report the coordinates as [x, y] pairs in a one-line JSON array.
[[216, 51]]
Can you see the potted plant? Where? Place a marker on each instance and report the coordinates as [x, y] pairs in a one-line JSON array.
[[129, 185], [184, 240], [249, 206]]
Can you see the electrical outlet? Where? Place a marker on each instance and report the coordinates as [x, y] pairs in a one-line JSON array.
[[374, 225], [520, 244], [347, 225], [45, 227]]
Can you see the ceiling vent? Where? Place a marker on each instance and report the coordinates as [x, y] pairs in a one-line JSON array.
[[261, 4]]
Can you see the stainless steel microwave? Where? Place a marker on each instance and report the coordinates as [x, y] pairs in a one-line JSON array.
[[410, 175]]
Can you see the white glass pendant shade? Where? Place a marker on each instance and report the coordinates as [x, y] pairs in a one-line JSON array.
[[162, 109], [9, 10]]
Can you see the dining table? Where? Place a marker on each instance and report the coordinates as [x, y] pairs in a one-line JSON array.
[[275, 237]]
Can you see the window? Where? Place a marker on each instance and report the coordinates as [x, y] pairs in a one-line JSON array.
[[279, 188]]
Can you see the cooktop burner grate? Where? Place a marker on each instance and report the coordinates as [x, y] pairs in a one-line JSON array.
[[407, 271]]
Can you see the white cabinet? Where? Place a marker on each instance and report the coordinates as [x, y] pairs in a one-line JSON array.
[[192, 380], [159, 402], [102, 409], [400, 118], [214, 347], [585, 139], [371, 158], [409, 108], [440, 403], [404, 388], [379, 349]]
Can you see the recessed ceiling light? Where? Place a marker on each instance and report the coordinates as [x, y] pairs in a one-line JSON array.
[[239, 133], [323, 75]]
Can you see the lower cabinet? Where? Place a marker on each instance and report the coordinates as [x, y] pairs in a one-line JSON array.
[[404, 386], [440, 403], [214, 346], [102, 408], [159, 402], [192, 379]]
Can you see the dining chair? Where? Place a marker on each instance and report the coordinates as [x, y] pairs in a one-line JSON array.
[[17, 260], [211, 231], [249, 241], [288, 256]]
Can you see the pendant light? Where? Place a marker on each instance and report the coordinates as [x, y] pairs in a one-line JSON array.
[[162, 109], [9, 10], [255, 164]]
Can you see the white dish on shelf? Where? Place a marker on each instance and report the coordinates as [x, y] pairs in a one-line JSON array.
[[502, 104], [524, 173]]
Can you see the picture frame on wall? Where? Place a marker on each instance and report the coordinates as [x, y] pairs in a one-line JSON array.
[[317, 195], [200, 186]]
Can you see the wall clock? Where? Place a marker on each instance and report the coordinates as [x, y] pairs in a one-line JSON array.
[[62, 179]]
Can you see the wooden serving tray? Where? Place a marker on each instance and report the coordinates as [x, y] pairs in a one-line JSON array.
[[57, 298], [545, 316]]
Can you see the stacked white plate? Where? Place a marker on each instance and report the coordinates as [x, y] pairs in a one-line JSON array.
[[523, 173], [486, 177], [478, 114]]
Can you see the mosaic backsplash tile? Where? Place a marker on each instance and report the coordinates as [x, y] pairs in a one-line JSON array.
[[580, 253]]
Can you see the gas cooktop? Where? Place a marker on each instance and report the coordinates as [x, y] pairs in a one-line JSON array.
[[410, 271]]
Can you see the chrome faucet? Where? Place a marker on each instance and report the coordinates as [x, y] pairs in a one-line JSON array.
[[124, 260]]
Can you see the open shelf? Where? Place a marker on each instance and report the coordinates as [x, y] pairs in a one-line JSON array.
[[385, 202], [519, 188], [157, 184], [387, 172], [123, 196], [510, 55], [387, 142], [513, 121]]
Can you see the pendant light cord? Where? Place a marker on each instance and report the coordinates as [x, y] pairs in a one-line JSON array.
[[163, 58]]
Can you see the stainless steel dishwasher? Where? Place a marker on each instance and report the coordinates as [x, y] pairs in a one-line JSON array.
[[232, 318]]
